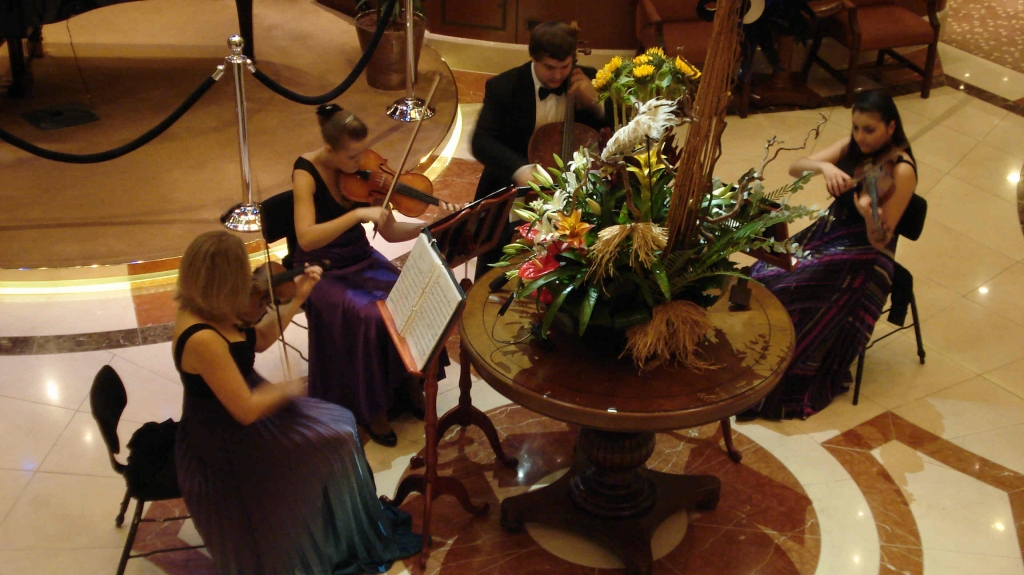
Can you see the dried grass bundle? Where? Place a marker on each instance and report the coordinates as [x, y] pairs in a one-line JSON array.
[[648, 239], [606, 249], [675, 331]]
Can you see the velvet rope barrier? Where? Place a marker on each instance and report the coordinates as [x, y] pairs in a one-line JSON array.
[[120, 150], [280, 90]]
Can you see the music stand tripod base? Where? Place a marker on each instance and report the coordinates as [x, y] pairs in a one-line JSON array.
[[410, 110], [242, 218]]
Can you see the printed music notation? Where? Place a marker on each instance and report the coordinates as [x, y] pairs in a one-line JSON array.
[[425, 300]]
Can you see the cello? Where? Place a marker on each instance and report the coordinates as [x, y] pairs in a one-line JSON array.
[[565, 137]]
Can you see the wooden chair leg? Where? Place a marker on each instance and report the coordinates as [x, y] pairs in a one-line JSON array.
[[881, 58], [136, 519], [734, 455], [851, 74], [929, 70], [811, 55]]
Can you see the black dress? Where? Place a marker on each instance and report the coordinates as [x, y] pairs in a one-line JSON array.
[[289, 494]]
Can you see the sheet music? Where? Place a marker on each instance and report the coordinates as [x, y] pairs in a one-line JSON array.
[[424, 300], [415, 274]]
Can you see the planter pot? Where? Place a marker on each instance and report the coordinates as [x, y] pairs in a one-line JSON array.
[[387, 67]]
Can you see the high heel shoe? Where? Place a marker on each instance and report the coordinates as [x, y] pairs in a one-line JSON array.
[[389, 439]]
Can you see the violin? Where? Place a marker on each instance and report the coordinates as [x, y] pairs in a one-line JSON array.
[[565, 137], [281, 281], [369, 184], [874, 176]]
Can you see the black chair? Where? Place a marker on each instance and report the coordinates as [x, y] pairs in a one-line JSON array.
[[144, 479], [277, 217], [902, 296]]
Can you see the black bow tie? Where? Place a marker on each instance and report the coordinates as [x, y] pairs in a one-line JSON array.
[[545, 91]]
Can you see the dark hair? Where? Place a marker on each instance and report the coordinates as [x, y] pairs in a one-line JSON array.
[[554, 39], [338, 125], [878, 102]]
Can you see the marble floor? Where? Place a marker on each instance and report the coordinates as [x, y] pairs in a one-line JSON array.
[[924, 476]]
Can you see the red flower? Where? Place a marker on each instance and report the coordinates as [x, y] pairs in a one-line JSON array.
[[545, 296], [538, 266], [526, 232]]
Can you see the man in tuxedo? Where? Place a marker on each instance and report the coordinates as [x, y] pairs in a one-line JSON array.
[[519, 101]]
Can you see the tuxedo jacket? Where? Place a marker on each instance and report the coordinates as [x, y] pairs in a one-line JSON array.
[[506, 124]]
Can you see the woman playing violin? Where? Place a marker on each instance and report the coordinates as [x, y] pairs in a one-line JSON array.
[[352, 361], [276, 483], [836, 294]]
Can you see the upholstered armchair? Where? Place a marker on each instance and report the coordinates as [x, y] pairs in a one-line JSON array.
[[673, 25], [882, 25]]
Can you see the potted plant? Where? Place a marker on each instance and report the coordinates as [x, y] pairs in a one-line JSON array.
[[387, 67]]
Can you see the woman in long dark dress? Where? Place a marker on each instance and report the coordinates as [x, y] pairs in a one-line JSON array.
[[352, 360], [836, 294], [276, 483]]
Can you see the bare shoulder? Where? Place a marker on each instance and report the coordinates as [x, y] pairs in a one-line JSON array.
[[907, 167]]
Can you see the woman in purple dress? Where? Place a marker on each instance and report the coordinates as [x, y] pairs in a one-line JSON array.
[[352, 360], [836, 295], [276, 483]]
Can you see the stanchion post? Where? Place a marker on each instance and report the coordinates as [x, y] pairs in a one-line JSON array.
[[244, 217], [410, 108]]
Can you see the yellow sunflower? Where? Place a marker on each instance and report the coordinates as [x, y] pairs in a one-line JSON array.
[[641, 59], [656, 51], [613, 64], [643, 72], [602, 78], [687, 69]]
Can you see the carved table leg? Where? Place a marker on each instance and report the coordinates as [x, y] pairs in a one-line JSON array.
[[610, 497], [734, 455], [21, 74]]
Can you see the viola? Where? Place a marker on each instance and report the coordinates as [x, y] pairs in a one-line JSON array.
[[369, 184], [562, 138]]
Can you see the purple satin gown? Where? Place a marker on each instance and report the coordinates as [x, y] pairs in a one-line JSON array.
[[352, 359]]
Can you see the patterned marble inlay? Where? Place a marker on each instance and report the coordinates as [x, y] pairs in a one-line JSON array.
[[765, 523], [765, 518]]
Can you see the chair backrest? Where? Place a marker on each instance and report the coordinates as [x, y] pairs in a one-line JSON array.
[[277, 218], [911, 223], [108, 398], [469, 233]]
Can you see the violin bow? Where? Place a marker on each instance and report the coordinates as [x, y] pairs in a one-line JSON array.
[[285, 361], [408, 148]]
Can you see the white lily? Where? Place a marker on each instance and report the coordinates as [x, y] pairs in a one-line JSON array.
[[580, 159], [543, 178]]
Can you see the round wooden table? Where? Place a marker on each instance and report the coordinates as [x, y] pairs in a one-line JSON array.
[[608, 494]]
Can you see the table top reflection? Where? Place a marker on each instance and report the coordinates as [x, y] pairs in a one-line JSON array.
[[580, 383]]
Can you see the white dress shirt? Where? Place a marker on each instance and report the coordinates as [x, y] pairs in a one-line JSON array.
[[550, 109]]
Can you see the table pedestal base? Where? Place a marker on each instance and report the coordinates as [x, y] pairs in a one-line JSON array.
[[610, 497]]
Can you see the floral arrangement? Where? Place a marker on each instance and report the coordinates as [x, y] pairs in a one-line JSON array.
[[650, 75], [594, 247]]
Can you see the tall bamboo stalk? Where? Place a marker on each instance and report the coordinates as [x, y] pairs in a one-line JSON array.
[[704, 141]]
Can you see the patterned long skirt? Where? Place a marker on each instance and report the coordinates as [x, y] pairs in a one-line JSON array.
[[834, 297]]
